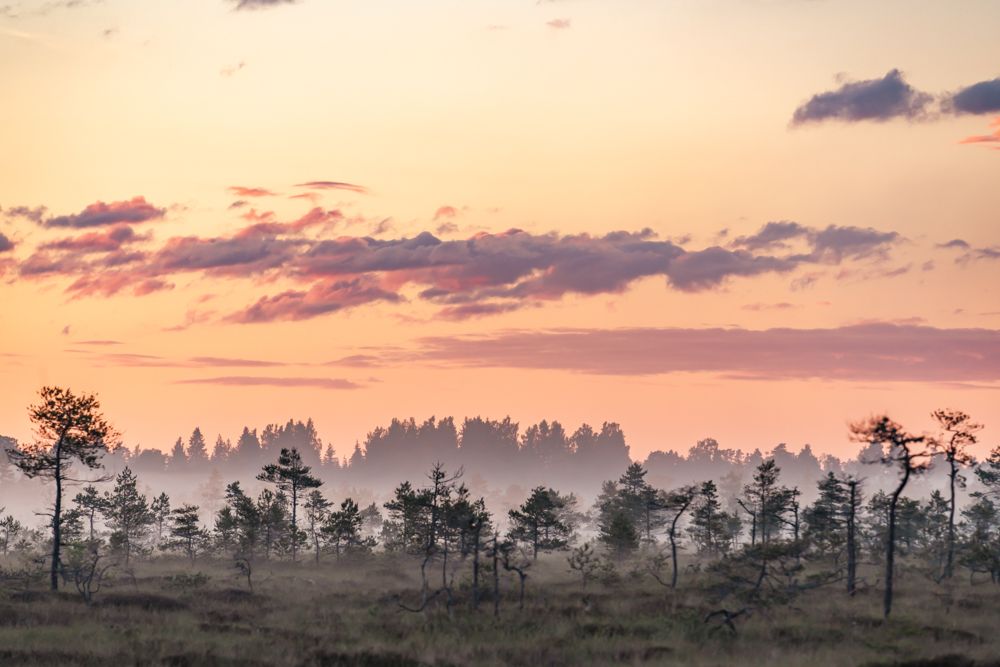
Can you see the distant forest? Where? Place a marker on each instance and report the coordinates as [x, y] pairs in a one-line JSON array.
[[790, 506], [499, 459]]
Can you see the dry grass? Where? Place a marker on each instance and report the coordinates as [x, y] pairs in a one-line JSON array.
[[347, 614]]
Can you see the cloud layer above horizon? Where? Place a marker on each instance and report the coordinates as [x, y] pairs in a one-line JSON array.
[[328, 270]]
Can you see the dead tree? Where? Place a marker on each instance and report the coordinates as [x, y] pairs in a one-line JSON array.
[[727, 618], [245, 567], [515, 560], [88, 575]]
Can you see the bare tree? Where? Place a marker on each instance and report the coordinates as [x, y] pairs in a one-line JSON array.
[[68, 428], [517, 560], [909, 454], [87, 569]]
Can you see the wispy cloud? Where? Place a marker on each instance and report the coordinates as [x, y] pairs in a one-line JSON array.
[[333, 185], [869, 352], [991, 140], [259, 4], [230, 70], [241, 191], [284, 382]]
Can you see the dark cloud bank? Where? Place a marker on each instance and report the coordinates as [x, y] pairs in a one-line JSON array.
[[892, 97]]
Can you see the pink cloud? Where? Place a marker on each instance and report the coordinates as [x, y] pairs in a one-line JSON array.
[[135, 210], [241, 191], [327, 296], [868, 352], [108, 240], [985, 138], [445, 212], [285, 382]]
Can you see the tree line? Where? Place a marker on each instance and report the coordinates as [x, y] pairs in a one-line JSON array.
[[759, 545]]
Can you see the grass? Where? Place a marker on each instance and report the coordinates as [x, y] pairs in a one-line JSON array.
[[347, 613]]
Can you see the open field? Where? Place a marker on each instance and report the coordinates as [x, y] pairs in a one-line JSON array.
[[348, 613]]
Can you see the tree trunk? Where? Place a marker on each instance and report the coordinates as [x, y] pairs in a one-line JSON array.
[[949, 563], [295, 529], [496, 576], [475, 574], [890, 552], [852, 554], [673, 556], [56, 521]]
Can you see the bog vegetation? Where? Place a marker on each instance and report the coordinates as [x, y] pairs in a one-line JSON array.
[[850, 571]]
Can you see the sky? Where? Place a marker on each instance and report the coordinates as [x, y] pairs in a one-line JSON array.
[[754, 220]]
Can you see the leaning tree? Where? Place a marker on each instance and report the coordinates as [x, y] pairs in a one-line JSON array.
[[69, 428], [909, 454]]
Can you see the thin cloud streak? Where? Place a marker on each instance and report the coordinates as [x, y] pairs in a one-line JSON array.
[[333, 185], [284, 382], [869, 352]]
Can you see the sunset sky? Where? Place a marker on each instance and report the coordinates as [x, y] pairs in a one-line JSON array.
[[754, 220]]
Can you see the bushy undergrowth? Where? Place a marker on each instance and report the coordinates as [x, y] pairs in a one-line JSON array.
[[173, 612]]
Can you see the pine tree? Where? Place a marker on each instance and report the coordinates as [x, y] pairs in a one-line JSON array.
[[826, 518], [317, 509], [618, 533], [197, 451], [160, 507], [127, 513], [178, 457], [273, 515], [408, 517], [10, 528], [708, 521], [293, 477], [959, 433], [185, 531], [222, 450], [71, 429], [540, 521], [343, 528], [89, 503]]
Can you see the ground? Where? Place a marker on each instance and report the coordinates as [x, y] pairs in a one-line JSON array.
[[172, 612]]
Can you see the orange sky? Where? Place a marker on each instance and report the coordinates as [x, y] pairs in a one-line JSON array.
[[157, 135]]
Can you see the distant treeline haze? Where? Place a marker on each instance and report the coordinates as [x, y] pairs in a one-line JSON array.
[[756, 514]]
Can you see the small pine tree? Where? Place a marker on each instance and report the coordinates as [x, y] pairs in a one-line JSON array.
[[185, 532], [619, 534]]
